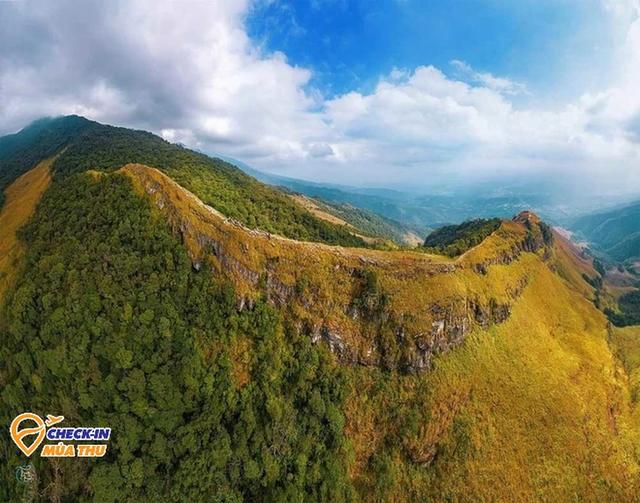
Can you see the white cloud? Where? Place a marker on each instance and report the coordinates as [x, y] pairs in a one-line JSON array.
[[189, 72], [485, 79]]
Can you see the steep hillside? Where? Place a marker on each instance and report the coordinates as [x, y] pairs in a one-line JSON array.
[[372, 227], [22, 151], [529, 391], [575, 266], [90, 145], [626, 344], [236, 364], [361, 301], [21, 198], [108, 324], [615, 233]]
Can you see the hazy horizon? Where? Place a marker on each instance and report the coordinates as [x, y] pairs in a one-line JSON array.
[[400, 95]]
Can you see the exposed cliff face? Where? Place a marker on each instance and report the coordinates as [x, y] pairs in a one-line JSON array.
[[394, 309]]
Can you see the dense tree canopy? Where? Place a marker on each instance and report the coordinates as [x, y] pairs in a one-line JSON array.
[[109, 325], [454, 240], [629, 313], [44, 138]]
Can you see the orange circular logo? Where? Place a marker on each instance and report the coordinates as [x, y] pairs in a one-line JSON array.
[[18, 434]]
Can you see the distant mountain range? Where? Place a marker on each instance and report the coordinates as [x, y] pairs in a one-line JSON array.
[[422, 213], [616, 232]]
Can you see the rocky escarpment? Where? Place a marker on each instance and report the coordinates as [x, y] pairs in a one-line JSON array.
[[397, 310], [413, 352]]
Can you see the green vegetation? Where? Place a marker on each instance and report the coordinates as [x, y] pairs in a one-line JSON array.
[[629, 314], [93, 146], [615, 233], [367, 222], [42, 139], [454, 240], [599, 267], [216, 182], [106, 321], [595, 282], [108, 324], [371, 301], [547, 232]]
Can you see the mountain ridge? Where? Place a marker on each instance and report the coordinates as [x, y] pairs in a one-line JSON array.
[[90, 145], [235, 362], [291, 280]]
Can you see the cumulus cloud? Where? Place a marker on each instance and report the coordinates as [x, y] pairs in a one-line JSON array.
[[185, 68], [189, 71], [428, 119]]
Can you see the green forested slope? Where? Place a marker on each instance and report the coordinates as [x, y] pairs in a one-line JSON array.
[[369, 223], [109, 325], [454, 240], [615, 232], [42, 139], [90, 145]]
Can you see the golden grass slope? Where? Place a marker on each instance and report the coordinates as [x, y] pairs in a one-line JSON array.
[[571, 263], [317, 283], [626, 345], [310, 205], [22, 196], [535, 409]]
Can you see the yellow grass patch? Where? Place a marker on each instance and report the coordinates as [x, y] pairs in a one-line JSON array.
[[535, 409], [310, 205], [22, 196]]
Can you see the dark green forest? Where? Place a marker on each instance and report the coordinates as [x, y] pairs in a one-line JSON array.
[[453, 240], [90, 145], [629, 314], [42, 139], [109, 325]]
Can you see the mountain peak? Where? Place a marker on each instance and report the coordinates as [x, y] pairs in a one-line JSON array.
[[527, 216]]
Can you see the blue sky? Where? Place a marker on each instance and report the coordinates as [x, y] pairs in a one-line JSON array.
[[349, 44], [386, 93]]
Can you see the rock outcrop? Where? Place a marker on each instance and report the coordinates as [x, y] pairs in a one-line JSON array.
[[417, 307]]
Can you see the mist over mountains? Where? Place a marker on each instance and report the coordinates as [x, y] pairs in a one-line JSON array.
[[429, 208]]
